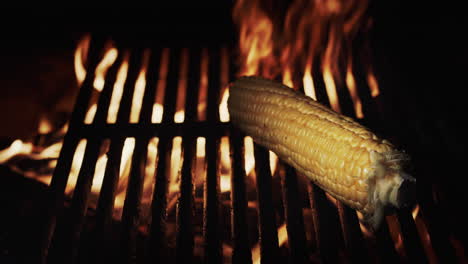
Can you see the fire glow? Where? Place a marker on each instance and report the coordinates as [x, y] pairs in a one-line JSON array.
[[320, 32], [259, 55]]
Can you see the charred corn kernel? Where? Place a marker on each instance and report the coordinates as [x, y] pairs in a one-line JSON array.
[[338, 154]]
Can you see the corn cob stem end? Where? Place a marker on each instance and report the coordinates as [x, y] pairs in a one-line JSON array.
[[392, 187]]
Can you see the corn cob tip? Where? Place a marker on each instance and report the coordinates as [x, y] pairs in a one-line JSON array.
[[390, 186]]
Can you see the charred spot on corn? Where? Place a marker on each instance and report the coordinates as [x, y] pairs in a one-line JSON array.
[[338, 154]]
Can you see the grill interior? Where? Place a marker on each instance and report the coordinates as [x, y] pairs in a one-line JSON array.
[[206, 224]]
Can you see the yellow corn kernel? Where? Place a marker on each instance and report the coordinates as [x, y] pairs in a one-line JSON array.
[[338, 154]]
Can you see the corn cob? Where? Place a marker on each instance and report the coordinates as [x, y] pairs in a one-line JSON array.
[[338, 154]]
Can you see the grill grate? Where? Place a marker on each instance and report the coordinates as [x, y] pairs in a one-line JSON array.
[[318, 229]]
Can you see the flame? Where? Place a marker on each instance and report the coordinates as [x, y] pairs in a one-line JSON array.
[[249, 158], [176, 164], [373, 84], [149, 181], [255, 37], [395, 233], [45, 127], [200, 168], [90, 114], [202, 95], [181, 88], [328, 71], [76, 166], [273, 162], [321, 31], [308, 82], [118, 91], [17, 147], [223, 107], [351, 83], [81, 53], [287, 78], [124, 172], [331, 199], [139, 90], [158, 110], [365, 231], [415, 212], [108, 59], [424, 234], [100, 167], [282, 239], [226, 170]]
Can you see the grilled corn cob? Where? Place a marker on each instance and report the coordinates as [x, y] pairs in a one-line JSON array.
[[338, 154]]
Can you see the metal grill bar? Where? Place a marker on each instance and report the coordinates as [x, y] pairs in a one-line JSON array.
[[68, 248], [385, 246], [132, 200], [336, 229], [185, 213], [60, 178], [241, 250], [411, 240], [158, 244], [327, 226], [294, 217], [211, 225], [267, 220]]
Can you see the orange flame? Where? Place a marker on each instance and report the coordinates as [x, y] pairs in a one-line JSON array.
[[100, 167], [351, 83], [176, 165], [17, 147], [90, 114], [150, 171], [312, 30], [200, 168], [81, 53], [424, 234], [45, 126], [287, 78], [181, 88], [395, 233], [373, 84], [329, 59], [415, 212], [118, 91], [202, 94], [308, 82], [331, 89], [273, 162], [365, 231], [139, 90], [249, 158], [76, 165], [223, 109], [226, 170], [124, 172], [282, 239], [255, 37], [109, 58], [156, 116]]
